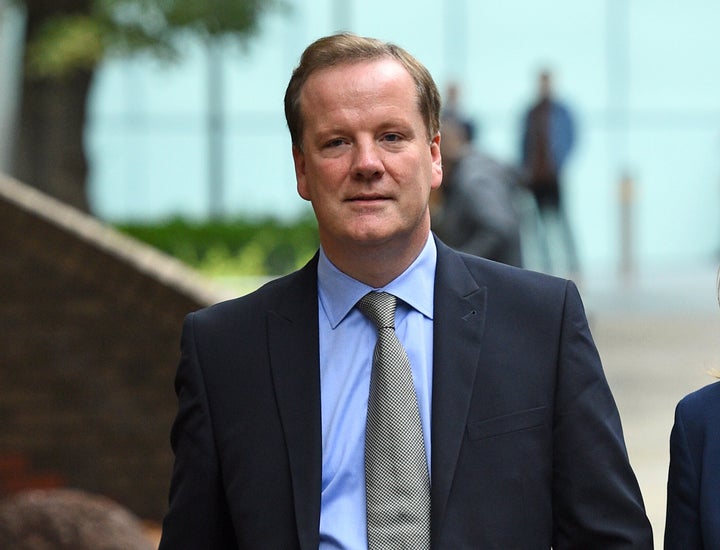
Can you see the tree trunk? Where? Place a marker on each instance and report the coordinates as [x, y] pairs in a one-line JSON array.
[[50, 152]]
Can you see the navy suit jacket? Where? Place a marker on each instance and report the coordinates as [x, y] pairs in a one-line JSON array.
[[693, 491], [527, 447]]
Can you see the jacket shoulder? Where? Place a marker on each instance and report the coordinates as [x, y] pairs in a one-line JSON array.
[[510, 290], [701, 405], [275, 294], [500, 276]]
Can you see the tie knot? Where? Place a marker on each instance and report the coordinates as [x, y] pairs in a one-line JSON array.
[[379, 307]]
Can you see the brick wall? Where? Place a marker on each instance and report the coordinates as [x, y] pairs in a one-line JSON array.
[[89, 341]]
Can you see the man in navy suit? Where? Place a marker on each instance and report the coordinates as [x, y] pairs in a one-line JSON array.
[[522, 436], [693, 490]]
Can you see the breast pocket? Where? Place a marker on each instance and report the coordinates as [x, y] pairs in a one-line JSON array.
[[506, 424]]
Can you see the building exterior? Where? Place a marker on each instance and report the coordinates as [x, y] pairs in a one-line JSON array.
[[207, 136]]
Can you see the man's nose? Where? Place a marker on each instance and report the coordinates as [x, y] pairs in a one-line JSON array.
[[367, 161]]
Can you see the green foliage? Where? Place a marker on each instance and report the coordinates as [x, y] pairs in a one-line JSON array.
[[234, 247], [65, 43], [79, 36]]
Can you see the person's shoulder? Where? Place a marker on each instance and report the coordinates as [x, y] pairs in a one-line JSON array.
[[522, 292], [703, 401], [697, 413], [481, 160], [268, 296], [562, 107], [496, 271], [515, 282]]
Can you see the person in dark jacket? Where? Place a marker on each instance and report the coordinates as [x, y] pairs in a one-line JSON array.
[[522, 438], [693, 490], [548, 137], [476, 213]]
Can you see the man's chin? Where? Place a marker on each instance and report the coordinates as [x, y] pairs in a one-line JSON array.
[[377, 237]]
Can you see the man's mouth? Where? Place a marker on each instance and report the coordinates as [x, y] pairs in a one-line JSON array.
[[368, 198]]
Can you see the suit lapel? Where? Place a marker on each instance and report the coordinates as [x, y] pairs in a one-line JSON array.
[[459, 321], [294, 359]]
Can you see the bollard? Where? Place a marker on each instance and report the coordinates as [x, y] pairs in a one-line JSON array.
[[627, 196]]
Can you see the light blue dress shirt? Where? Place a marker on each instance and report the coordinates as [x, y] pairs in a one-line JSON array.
[[347, 341]]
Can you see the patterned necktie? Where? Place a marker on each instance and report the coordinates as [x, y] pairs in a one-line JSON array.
[[397, 484]]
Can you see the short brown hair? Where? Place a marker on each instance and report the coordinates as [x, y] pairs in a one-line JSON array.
[[345, 48]]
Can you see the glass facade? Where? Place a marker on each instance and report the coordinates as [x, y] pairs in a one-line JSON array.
[[207, 136]]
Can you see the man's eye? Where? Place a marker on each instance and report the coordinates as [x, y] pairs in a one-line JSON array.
[[392, 138], [334, 143]]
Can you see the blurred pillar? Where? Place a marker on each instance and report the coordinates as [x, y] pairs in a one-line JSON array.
[[342, 15], [617, 26], [627, 253], [215, 129], [455, 21], [12, 31]]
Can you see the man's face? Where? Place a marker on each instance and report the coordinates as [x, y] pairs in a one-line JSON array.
[[367, 164]]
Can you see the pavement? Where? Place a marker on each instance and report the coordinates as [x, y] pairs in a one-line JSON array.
[[658, 334]]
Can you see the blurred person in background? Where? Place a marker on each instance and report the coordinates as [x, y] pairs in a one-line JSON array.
[[476, 213], [69, 519], [451, 105], [548, 137], [515, 436], [693, 489]]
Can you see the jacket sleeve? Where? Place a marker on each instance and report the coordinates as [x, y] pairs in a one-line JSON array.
[[198, 516], [682, 525], [597, 500]]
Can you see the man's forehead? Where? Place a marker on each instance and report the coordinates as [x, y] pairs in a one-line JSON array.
[[362, 74], [384, 64]]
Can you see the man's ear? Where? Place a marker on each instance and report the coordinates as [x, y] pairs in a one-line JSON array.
[[299, 162], [437, 171]]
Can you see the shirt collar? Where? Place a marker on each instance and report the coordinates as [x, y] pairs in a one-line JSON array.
[[415, 286]]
